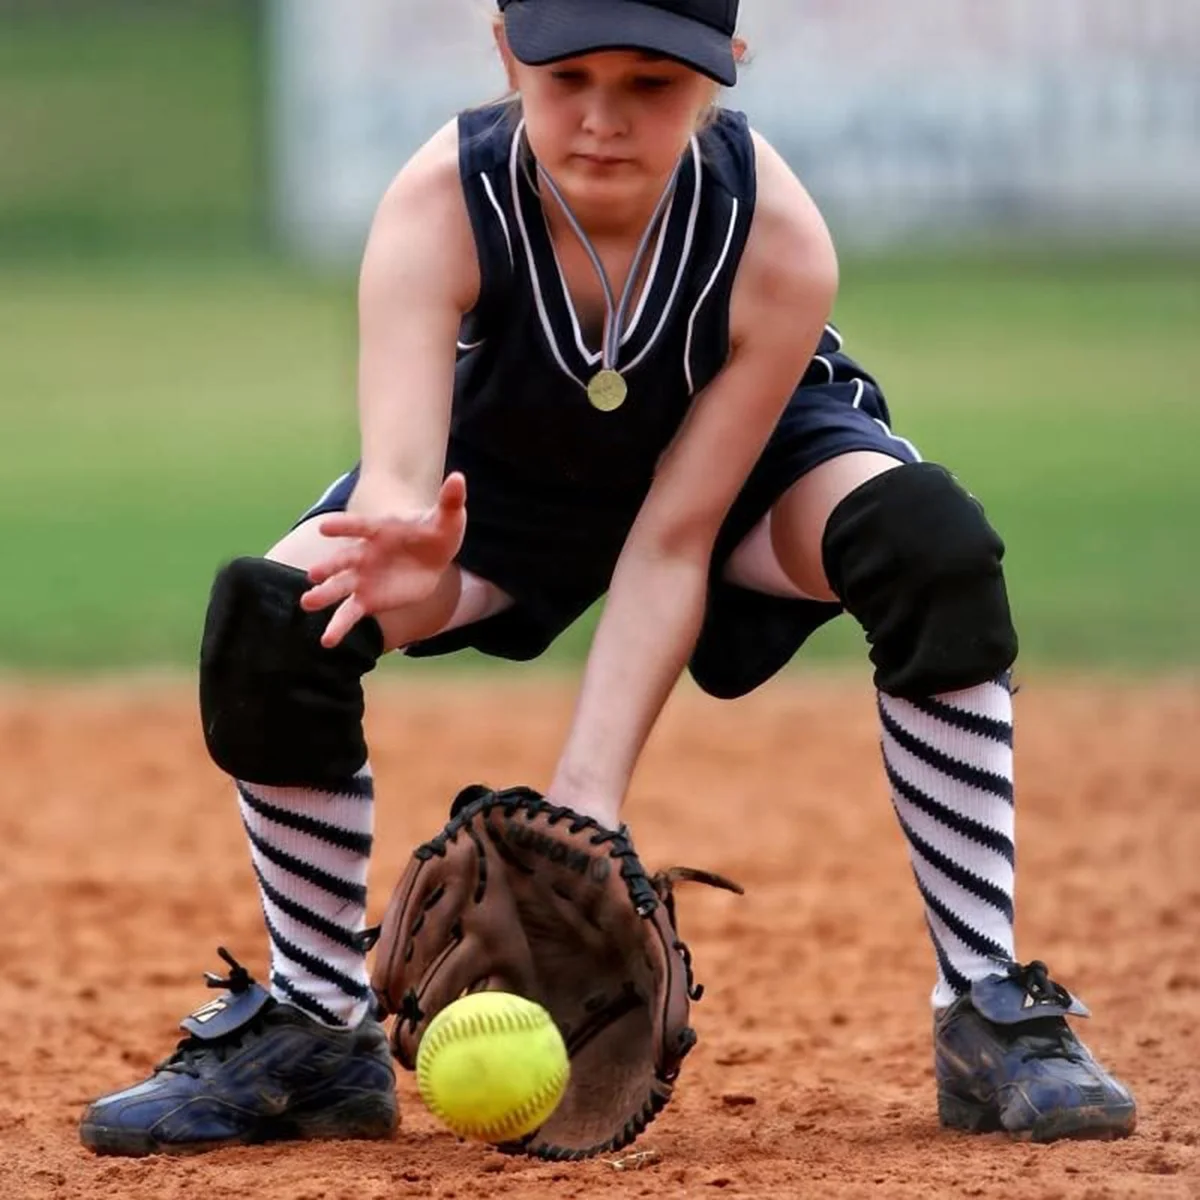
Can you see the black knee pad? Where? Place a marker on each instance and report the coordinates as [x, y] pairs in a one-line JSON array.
[[278, 708], [912, 557]]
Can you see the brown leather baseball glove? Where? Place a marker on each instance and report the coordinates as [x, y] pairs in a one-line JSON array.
[[518, 895]]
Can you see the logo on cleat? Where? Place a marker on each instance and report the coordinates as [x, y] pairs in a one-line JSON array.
[[206, 1012], [1032, 1001]]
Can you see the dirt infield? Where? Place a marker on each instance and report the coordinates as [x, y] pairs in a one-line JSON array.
[[123, 867]]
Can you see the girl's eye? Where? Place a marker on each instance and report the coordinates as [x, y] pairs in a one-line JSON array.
[[570, 77], [652, 83]]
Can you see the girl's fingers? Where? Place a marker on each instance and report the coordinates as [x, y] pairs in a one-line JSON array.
[[347, 559], [330, 592], [446, 518], [453, 495], [348, 614], [431, 530], [346, 524]]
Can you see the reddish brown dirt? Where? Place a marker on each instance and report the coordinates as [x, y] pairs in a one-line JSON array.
[[122, 866]]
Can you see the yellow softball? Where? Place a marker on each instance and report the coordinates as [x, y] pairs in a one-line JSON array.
[[492, 1066]]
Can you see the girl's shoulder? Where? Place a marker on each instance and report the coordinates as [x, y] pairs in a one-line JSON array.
[[485, 136], [728, 153], [429, 177], [421, 228], [789, 256]]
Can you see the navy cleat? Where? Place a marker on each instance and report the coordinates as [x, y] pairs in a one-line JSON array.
[[251, 1070], [1006, 1059]]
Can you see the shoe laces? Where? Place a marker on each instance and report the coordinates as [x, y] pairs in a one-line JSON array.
[[1045, 1037], [1034, 979], [192, 1052], [1048, 1037]]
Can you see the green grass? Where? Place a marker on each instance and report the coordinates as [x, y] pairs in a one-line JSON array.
[[156, 420], [1064, 396], [128, 125]]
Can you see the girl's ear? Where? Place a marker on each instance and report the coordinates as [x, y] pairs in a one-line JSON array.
[[741, 50], [506, 54]]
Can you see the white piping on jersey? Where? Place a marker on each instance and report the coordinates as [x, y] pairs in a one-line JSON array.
[[685, 255], [593, 357], [467, 346], [858, 395], [487, 187], [590, 357], [837, 337], [333, 487], [652, 274], [897, 438], [708, 287], [538, 298], [829, 367]]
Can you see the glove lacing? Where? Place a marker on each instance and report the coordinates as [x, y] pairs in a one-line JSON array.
[[664, 886], [646, 892]]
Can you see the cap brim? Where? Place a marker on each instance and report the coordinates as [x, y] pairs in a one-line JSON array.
[[546, 31]]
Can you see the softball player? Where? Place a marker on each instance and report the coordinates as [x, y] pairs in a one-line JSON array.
[[600, 313]]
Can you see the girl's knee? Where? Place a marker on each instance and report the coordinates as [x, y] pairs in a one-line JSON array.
[[912, 556]]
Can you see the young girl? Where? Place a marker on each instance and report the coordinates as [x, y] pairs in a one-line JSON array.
[[600, 312]]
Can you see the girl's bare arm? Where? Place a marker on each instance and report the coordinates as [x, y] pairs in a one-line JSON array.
[[781, 301], [420, 274]]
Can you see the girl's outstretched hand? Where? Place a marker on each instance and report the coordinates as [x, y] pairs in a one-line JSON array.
[[392, 561]]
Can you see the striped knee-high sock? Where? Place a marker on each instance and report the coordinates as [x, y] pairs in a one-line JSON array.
[[310, 851], [950, 764]]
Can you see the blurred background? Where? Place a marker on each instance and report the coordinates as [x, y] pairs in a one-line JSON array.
[[185, 189]]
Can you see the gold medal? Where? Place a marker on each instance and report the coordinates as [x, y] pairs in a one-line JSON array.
[[607, 390]]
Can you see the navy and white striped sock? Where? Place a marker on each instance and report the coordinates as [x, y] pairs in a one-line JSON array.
[[950, 764], [310, 851]]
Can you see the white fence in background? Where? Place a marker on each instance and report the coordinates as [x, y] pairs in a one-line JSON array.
[[906, 118]]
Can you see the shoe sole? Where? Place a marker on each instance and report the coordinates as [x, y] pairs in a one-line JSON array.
[[1099, 1122], [359, 1118]]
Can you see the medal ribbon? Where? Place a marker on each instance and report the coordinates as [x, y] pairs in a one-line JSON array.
[[614, 313]]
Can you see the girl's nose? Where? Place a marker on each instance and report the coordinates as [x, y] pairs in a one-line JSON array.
[[603, 114]]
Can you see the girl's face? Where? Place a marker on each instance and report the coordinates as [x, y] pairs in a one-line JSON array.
[[610, 127]]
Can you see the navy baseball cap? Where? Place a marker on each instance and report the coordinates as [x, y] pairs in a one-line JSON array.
[[697, 33]]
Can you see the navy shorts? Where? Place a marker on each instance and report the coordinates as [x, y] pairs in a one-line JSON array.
[[555, 554]]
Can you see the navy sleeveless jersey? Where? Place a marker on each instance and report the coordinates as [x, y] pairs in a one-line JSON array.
[[523, 363], [553, 484]]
